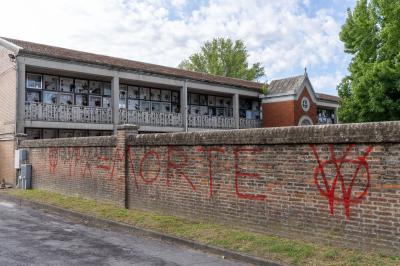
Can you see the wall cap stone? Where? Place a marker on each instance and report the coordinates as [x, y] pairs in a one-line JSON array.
[[103, 141], [339, 133], [128, 127]]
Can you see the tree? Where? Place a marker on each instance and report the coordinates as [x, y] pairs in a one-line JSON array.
[[371, 34], [223, 57]]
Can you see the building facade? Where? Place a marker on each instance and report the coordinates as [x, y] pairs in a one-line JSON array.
[[52, 92]]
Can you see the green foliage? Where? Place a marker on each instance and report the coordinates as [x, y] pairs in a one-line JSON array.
[[371, 34], [223, 57]]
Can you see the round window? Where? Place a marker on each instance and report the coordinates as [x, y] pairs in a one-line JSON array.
[[305, 104]]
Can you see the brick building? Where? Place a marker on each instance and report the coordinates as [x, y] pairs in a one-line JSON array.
[[51, 92]]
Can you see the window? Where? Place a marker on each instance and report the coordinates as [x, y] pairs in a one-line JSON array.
[[33, 96], [305, 104], [34, 81], [67, 85], [66, 99], [165, 96], [50, 97], [81, 86], [155, 95], [50, 83], [106, 89], [305, 120], [95, 87], [95, 101], [81, 100]]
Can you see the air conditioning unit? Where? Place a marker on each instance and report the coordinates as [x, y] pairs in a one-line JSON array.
[[25, 179]]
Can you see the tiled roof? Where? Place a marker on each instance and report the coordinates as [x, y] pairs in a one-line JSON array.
[[328, 97], [31, 48], [286, 85]]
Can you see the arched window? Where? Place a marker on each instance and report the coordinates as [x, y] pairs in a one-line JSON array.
[[305, 104], [305, 120]]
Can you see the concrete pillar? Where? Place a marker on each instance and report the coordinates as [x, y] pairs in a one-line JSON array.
[[115, 102], [184, 106], [20, 108], [235, 104], [126, 134]]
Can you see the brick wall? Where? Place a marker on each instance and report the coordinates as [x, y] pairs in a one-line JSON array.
[[278, 114], [7, 170], [87, 167], [335, 183]]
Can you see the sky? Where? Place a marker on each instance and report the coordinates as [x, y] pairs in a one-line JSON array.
[[284, 35]]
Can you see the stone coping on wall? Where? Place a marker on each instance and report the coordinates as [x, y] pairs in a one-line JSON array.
[[103, 141], [340, 133]]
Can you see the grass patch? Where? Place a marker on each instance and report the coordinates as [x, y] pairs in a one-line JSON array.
[[261, 245]]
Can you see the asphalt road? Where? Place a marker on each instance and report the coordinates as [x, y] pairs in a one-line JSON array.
[[33, 237]]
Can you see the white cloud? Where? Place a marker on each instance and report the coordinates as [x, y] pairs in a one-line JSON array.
[[277, 33]]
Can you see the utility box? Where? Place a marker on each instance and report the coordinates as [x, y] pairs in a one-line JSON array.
[[25, 180], [21, 156]]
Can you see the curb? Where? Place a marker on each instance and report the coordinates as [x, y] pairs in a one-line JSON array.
[[121, 227]]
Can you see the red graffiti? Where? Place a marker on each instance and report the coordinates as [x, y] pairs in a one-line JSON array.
[[178, 167], [131, 158], [210, 150], [329, 191], [103, 166], [118, 157], [239, 173], [53, 160], [155, 177]]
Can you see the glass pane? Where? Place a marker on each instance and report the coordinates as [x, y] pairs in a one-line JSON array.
[[106, 88], [219, 102], [49, 133], [155, 95], [95, 101], [203, 100], [133, 105], [156, 107], [67, 84], [66, 99], [81, 86], [81, 100], [175, 97], [176, 108], [66, 134], [194, 99], [227, 102], [50, 97], [33, 96], [34, 81], [95, 87], [145, 93], [106, 102], [50, 83], [145, 106], [33, 133], [211, 100], [133, 92], [165, 107], [165, 96]]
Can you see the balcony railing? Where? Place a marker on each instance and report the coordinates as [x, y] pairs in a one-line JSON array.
[[150, 119], [204, 121], [80, 114], [67, 113], [249, 123]]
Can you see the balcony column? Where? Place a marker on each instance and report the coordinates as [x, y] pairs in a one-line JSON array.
[[21, 90], [235, 102], [115, 102], [184, 106]]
